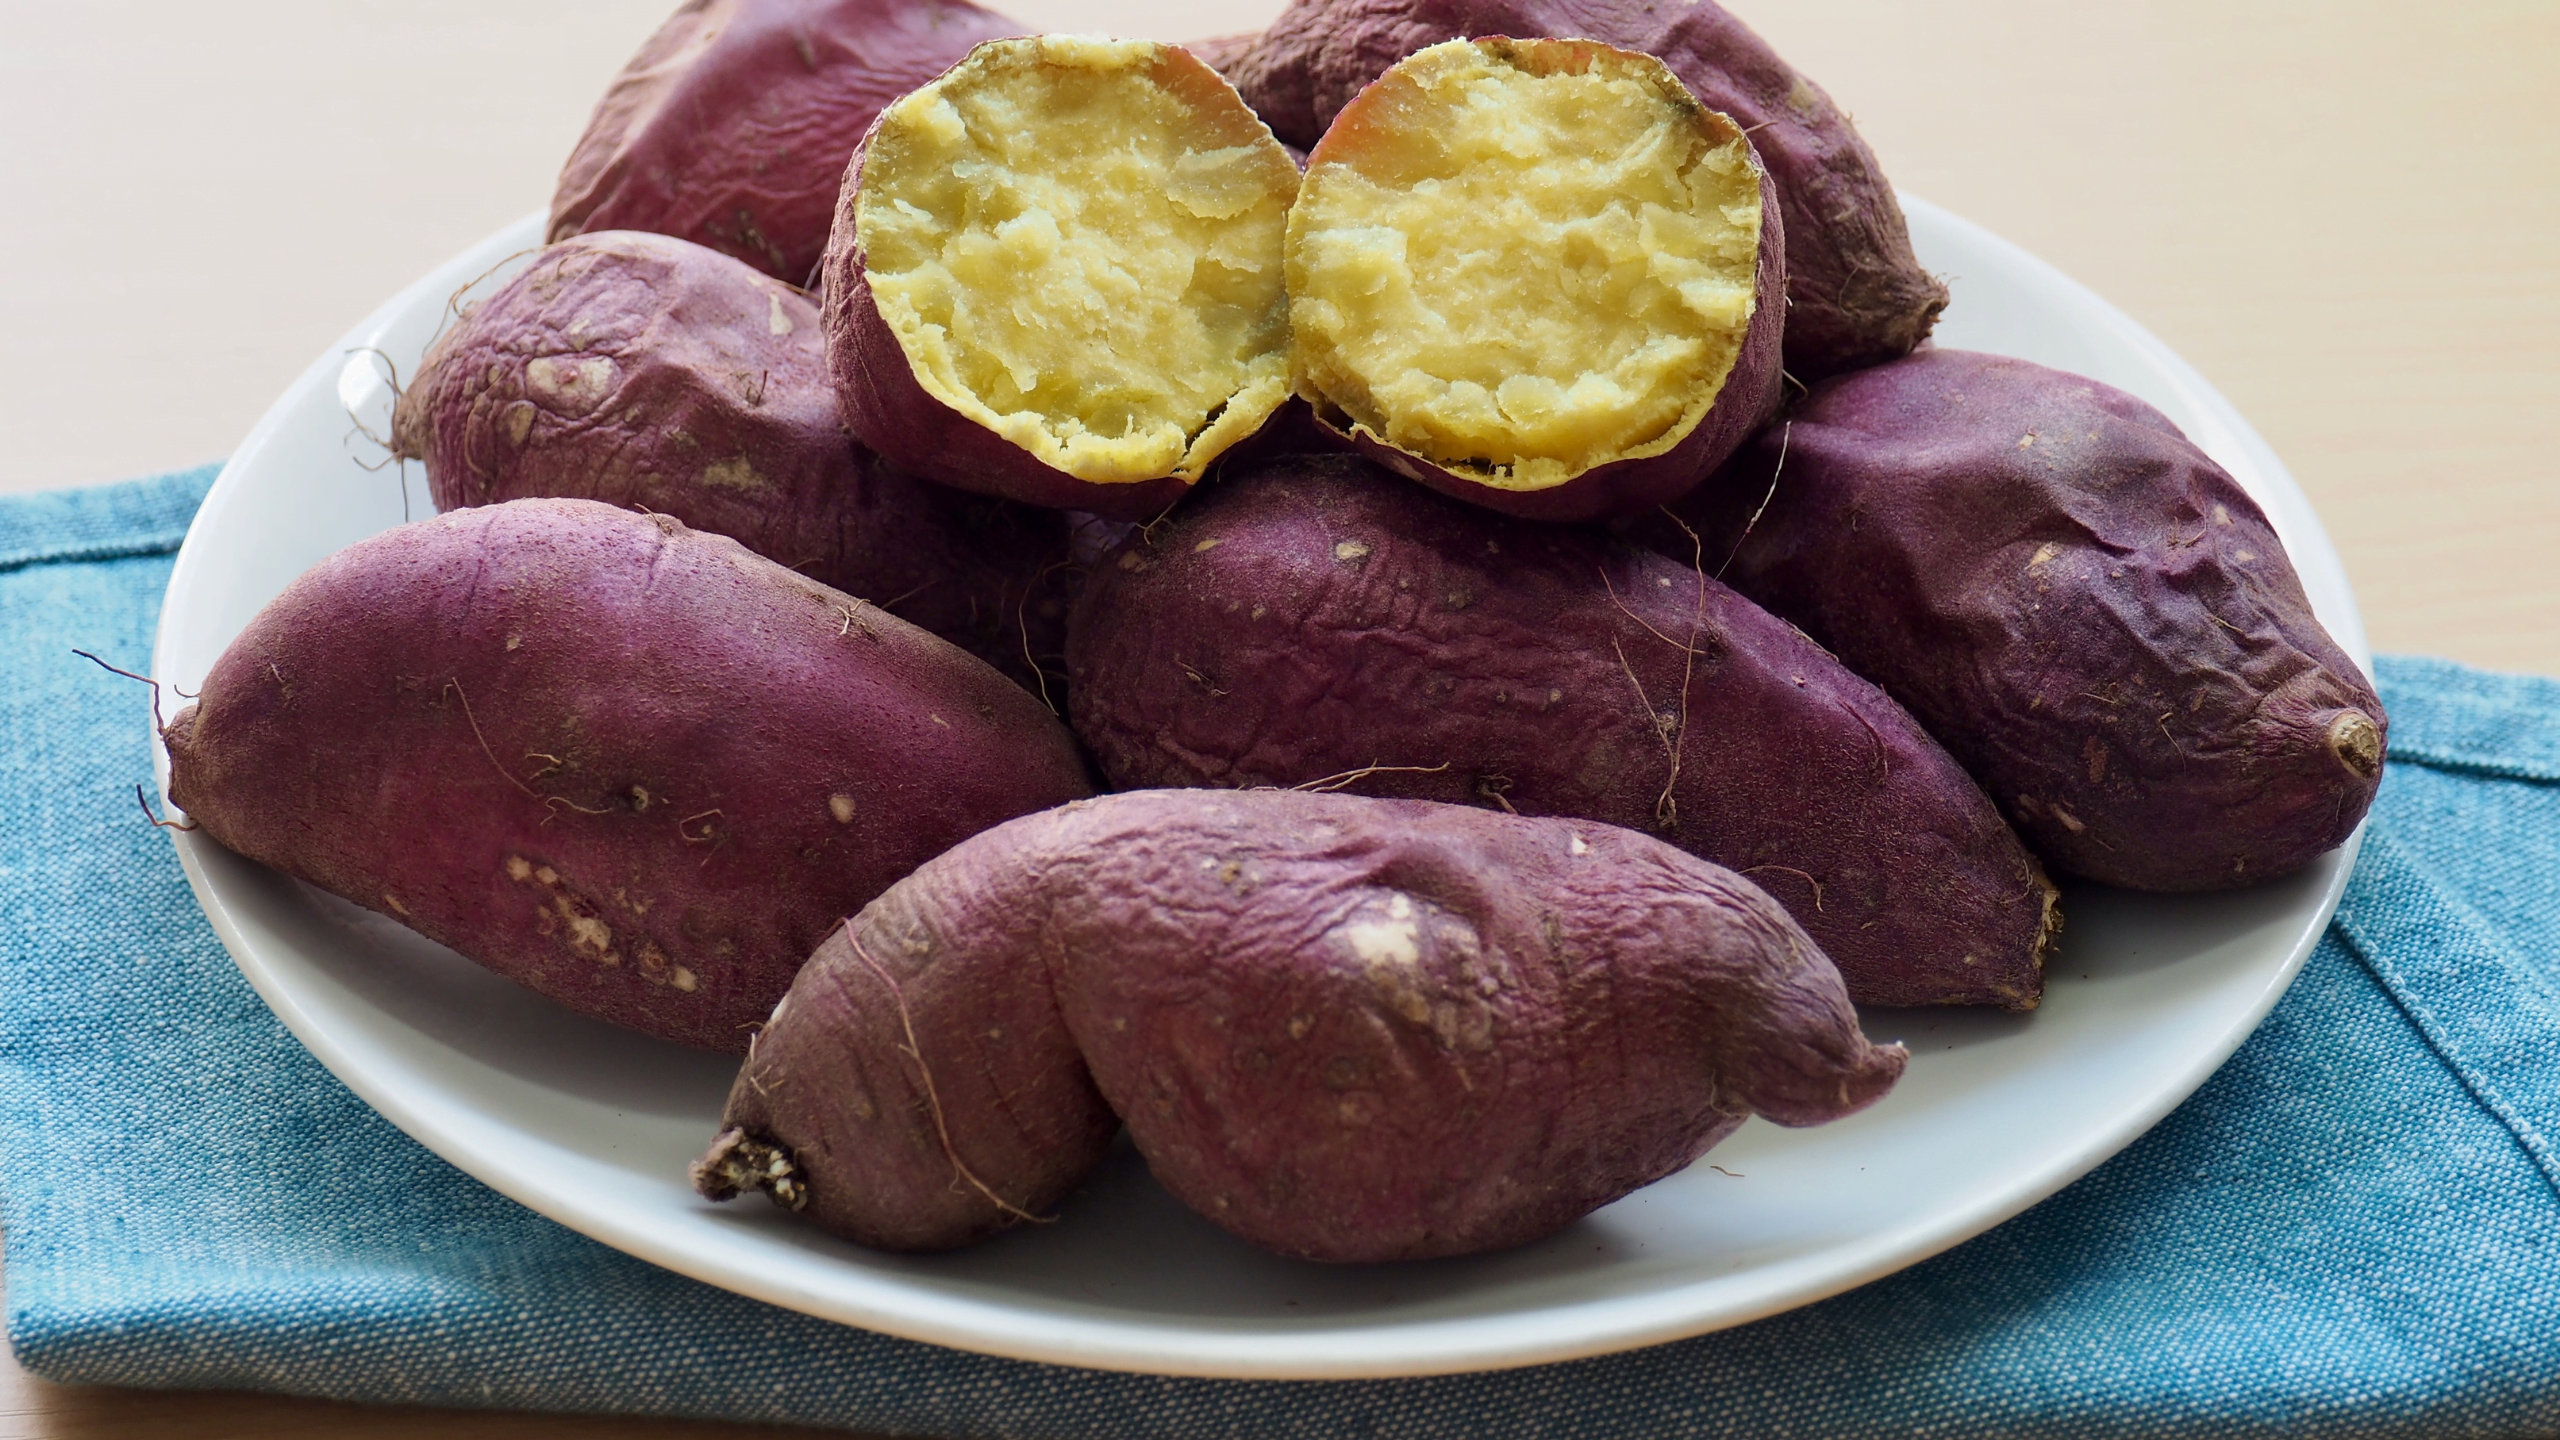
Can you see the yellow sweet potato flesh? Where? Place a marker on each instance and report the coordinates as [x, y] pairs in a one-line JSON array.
[[1078, 244], [1524, 260]]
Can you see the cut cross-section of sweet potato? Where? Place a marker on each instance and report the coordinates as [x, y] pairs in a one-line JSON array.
[[1538, 275], [1056, 274]]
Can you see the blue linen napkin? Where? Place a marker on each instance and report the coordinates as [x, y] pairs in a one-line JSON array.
[[2352, 1230]]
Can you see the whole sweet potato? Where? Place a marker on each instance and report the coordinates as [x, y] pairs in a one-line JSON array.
[[1344, 1029], [1534, 275], [2089, 612], [1314, 617], [732, 126], [646, 371], [1055, 275], [633, 766], [1856, 293]]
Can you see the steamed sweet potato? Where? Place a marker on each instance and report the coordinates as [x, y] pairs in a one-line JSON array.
[[1856, 293], [1344, 1029], [1314, 617], [2089, 612], [732, 126], [633, 766], [1534, 275], [646, 371], [1055, 275]]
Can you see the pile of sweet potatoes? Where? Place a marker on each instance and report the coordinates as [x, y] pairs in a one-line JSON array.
[[1533, 732]]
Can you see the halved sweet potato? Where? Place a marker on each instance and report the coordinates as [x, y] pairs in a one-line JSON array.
[[1055, 275], [1536, 275], [1856, 293]]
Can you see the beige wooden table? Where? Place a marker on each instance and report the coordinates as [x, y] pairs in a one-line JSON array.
[[2342, 211]]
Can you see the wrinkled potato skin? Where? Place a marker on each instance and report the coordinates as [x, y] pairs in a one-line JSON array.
[[649, 372], [598, 752], [2090, 613], [732, 125], [1856, 293], [1344, 1029], [1315, 617]]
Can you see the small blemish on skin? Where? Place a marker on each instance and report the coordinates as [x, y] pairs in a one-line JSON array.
[[2221, 516], [1129, 560], [2069, 821], [1579, 846], [1969, 960], [684, 980], [2027, 440], [2044, 552], [1299, 1025], [519, 422], [547, 875], [519, 869], [1211, 543], [1260, 610], [1662, 580], [776, 320], [1351, 550], [639, 797], [514, 640], [841, 807], [394, 902], [938, 720], [2243, 556]]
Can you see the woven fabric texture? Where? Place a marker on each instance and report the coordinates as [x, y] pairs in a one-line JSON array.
[[2352, 1230]]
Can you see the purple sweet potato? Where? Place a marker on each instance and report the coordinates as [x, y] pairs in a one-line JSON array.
[[1856, 293], [1345, 1029], [632, 766], [732, 126], [1534, 275], [646, 371], [1056, 275], [1316, 617], [2089, 612]]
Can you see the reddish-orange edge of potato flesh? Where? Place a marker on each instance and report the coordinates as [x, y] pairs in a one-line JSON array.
[[1055, 275], [1537, 275]]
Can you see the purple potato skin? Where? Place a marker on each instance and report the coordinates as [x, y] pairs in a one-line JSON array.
[[1314, 617], [649, 372], [2090, 613], [732, 125], [1856, 293], [632, 766], [1747, 400], [1344, 1029]]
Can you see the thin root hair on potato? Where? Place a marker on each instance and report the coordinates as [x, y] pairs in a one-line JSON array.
[[156, 722], [960, 1170]]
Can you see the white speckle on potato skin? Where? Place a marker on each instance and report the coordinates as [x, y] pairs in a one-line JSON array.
[[1351, 550], [736, 475], [841, 807], [519, 869], [777, 321], [573, 384], [519, 422], [394, 902], [1580, 846]]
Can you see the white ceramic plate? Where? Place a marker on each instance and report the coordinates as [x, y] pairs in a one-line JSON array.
[[594, 1127]]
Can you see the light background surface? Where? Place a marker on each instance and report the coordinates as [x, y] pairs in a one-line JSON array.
[[2342, 212]]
